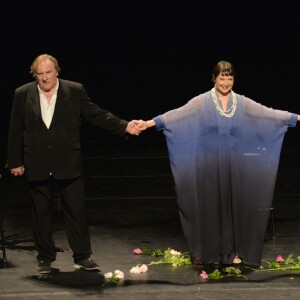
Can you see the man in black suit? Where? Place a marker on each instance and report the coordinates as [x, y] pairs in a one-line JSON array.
[[44, 144]]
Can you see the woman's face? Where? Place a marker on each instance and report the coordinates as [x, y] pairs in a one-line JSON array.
[[224, 84]]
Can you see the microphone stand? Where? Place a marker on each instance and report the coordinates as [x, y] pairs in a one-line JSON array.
[[2, 233]]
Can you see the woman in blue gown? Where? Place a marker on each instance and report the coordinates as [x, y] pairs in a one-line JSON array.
[[224, 151]]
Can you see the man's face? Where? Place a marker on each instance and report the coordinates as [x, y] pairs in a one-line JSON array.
[[46, 75]]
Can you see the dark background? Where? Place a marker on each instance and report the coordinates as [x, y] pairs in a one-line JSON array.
[[142, 58]]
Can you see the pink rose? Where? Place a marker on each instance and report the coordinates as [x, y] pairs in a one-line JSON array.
[[279, 259], [137, 251], [204, 275]]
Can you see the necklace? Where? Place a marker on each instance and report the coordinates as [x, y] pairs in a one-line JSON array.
[[219, 108]]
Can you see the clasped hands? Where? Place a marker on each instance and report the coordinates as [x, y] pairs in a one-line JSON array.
[[19, 171], [135, 127]]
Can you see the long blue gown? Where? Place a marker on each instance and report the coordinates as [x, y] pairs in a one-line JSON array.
[[224, 171]]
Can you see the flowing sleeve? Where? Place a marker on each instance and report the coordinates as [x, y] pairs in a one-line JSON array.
[[180, 119], [254, 109]]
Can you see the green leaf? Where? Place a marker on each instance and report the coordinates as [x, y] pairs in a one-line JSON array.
[[113, 280], [232, 270], [146, 251], [157, 252], [274, 264], [289, 260], [295, 267], [216, 274]]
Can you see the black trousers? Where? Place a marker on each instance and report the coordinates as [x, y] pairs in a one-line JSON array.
[[72, 196]]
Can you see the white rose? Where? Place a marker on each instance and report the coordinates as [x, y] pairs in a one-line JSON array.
[[119, 274], [143, 268], [108, 275], [135, 270], [174, 252]]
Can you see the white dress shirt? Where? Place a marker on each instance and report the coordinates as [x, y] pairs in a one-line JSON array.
[[47, 108]]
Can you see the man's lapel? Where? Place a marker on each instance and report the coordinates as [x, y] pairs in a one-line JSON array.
[[61, 103]]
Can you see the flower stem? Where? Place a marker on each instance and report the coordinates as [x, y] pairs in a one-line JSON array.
[[273, 269]]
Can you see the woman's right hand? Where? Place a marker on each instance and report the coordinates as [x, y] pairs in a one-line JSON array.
[[143, 125]]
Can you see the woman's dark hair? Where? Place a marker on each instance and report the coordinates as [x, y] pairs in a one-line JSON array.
[[223, 67]]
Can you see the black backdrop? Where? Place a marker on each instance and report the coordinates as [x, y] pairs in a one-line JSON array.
[[139, 58]]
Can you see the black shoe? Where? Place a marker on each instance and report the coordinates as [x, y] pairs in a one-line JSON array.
[[238, 266], [217, 265], [43, 267], [197, 264], [86, 264]]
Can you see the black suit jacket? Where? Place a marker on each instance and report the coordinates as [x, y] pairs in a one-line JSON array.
[[56, 150]]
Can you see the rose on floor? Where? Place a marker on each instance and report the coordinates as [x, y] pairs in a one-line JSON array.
[[225, 272], [175, 253], [147, 251], [204, 275], [281, 264], [114, 277], [279, 259], [137, 251], [139, 268], [178, 259], [170, 256], [173, 258]]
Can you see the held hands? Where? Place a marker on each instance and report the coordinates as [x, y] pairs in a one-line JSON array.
[[135, 127], [19, 171], [143, 125]]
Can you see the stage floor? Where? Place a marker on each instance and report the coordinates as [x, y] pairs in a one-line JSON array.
[[121, 219]]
